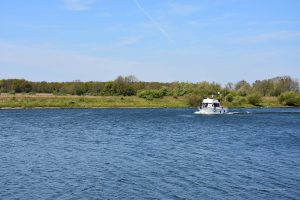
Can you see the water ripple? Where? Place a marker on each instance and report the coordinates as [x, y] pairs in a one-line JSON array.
[[149, 154]]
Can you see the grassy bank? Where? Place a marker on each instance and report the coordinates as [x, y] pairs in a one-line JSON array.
[[267, 102], [73, 101]]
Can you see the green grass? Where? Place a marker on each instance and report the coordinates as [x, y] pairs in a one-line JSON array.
[[53, 101], [34, 101]]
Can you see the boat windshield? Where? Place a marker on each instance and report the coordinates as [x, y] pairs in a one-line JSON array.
[[204, 105], [216, 105]]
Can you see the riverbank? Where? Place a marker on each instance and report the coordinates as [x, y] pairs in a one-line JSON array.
[[72, 101]]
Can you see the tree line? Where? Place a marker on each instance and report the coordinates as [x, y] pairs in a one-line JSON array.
[[285, 88]]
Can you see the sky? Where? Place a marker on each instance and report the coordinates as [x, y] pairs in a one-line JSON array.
[[154, 40]]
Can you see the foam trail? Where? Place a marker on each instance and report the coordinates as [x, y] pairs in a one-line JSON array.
[[234, 113]]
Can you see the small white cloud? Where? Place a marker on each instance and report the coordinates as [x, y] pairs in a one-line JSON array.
[[78, 5]]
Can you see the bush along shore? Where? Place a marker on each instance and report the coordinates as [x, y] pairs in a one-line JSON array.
[[130, 92]]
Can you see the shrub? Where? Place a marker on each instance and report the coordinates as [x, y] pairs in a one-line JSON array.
[[129, 92], [243, 100], [254, 99], [238, 100], [178, 92], [181, 92], [193, 100], [290, 98], [229, 98], [150, 94], [164, 91]]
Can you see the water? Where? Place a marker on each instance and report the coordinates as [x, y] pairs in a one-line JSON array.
[[149, 154]]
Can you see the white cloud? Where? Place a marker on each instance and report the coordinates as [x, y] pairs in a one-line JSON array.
[[78, 5]]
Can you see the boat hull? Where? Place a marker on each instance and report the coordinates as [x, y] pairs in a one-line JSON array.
[[211, 111]]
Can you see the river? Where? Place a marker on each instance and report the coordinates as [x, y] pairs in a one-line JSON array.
[[149, 154]]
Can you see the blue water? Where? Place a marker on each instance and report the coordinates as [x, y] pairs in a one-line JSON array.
[[149, 154]]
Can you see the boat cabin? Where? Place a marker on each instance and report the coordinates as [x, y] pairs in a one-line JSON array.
[[210, 103]]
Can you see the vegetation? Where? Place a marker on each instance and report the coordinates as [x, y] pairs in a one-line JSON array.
[[254, 99], [74, 101], [130, 92], [290, 98]]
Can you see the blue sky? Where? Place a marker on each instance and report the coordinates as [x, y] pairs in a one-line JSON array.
[[155, 40]]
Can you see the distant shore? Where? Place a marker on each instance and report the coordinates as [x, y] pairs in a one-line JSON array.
[[44, 100], [73, 101]]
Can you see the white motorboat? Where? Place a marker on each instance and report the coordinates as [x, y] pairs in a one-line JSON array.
[[211, 106]]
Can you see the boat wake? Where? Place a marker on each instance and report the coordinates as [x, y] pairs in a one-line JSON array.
[[186, 116], [234, 113], [261, 112], [258, 111]]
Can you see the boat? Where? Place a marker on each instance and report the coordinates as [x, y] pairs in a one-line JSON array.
[[211, 106]]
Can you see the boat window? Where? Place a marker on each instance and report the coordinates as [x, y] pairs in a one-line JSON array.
[[216, 105], [204, 105]]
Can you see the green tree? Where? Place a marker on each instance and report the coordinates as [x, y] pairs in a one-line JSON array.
[[254, 99], [285, 84], [264, 87], [243, 88], [125, 85], [108, 88]]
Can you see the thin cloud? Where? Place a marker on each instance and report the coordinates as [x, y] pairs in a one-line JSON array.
[[151, 19], [78, 5]]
